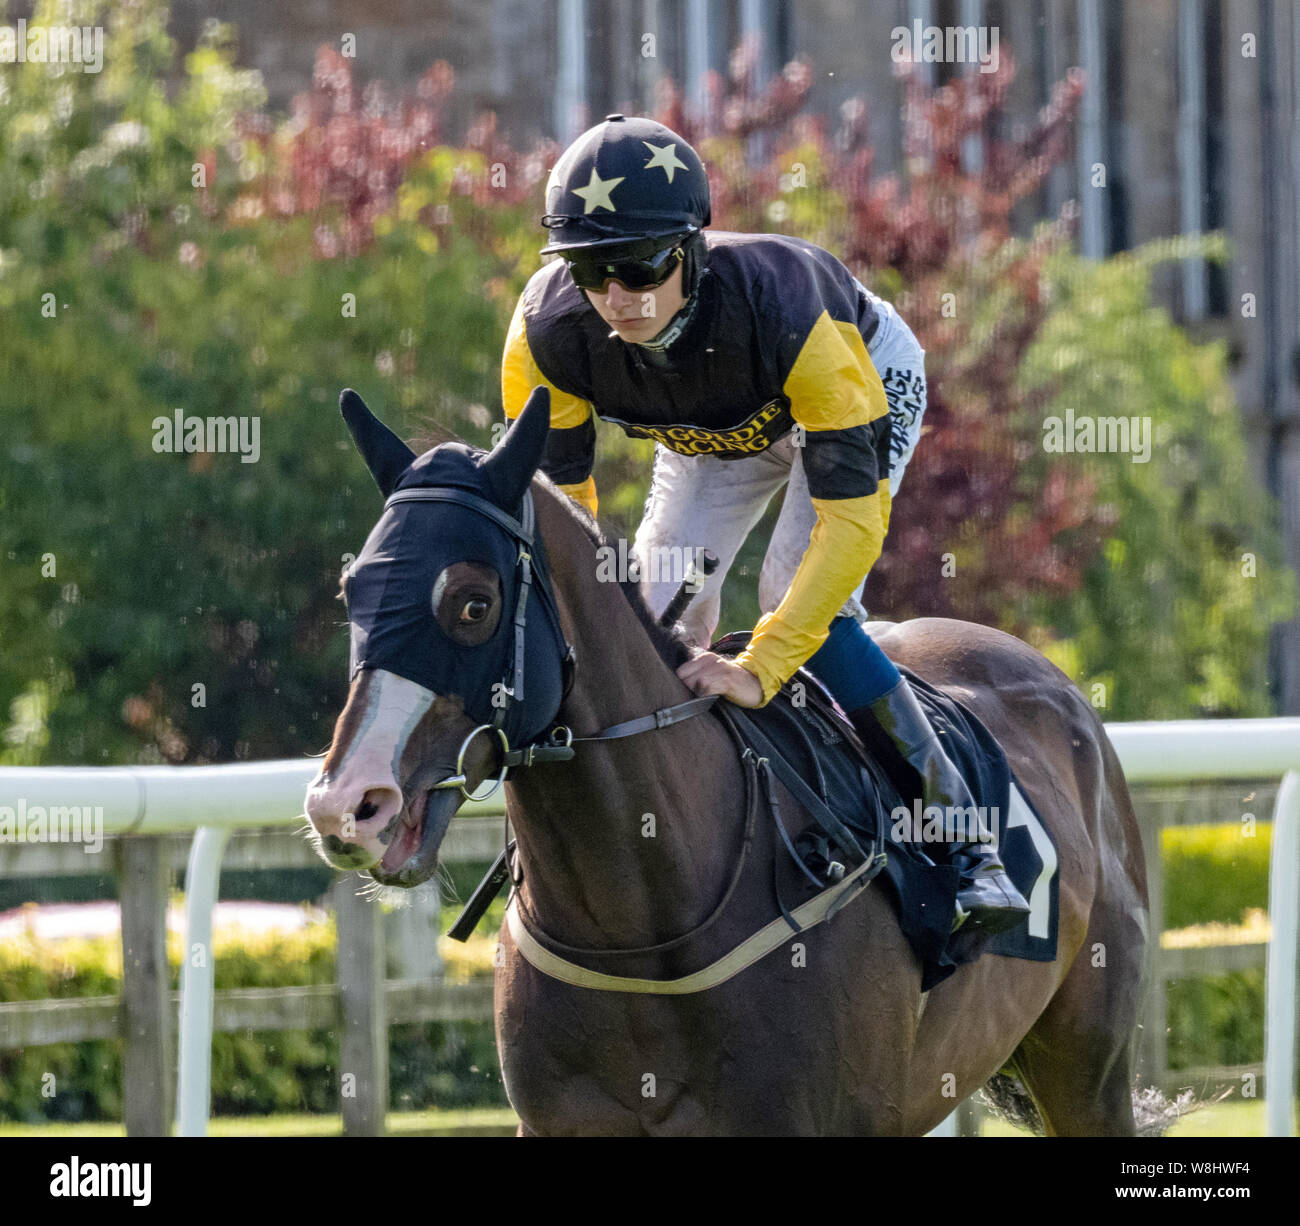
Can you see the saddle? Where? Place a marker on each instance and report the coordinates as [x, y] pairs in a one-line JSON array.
[[856, 795], [816, 752]]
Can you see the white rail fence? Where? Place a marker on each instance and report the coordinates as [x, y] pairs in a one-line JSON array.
[[213, 801]]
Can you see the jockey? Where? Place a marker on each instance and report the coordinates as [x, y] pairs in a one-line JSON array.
[[754, 361]]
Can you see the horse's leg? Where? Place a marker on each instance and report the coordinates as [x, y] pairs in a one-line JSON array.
[[879, 995], [1077, 1061]]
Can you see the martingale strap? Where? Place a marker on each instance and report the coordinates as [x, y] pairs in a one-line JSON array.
[[815, 911]]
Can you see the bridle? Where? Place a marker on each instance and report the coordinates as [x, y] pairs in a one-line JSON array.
[[558, 745]]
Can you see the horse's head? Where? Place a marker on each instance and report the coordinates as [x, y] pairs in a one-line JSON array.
[[446, 601]]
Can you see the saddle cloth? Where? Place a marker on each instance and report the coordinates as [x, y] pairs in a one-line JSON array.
[[876, 793]]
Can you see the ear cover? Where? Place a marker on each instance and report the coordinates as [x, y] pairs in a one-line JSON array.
[[385, 454], [509, 466]]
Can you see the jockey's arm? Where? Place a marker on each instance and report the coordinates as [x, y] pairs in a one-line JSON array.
[[571, 444], [836, 396]]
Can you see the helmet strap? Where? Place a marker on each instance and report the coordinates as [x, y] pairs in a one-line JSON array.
[[693, 253], [676, 326]]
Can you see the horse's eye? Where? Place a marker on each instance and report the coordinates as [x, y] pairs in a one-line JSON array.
[[474, 611], [467, 602]]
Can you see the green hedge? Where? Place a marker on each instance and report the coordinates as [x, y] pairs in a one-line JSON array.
[[1214, 874], [1215, 1019], [253, 1072]]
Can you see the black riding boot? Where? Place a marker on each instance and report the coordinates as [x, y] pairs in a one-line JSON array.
[[986, 895]]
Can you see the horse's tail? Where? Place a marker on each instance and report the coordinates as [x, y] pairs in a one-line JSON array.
[[1153, 1113], [1008, 1099]]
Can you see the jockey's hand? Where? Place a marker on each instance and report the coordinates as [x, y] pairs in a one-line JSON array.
[[709, 673]]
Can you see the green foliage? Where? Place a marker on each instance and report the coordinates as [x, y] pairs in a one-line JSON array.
[[258, 1071], [133, 575], [1215, 1019], [87, 1076], [1173, 617], [253, 1072], [1214, 874]]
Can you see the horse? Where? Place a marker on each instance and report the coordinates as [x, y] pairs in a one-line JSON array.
[[639, 856]]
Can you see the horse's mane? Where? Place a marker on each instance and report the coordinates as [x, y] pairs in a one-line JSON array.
[[668, 644]]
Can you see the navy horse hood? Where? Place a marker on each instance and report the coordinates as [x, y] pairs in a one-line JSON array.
[[390, 588]]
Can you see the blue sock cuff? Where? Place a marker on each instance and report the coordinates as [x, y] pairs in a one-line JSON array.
[[852, 666]]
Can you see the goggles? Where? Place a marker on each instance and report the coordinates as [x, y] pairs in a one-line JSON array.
[[593, 271]]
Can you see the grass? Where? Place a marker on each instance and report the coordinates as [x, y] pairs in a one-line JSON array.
[[471, 1122], [1228, 1119]]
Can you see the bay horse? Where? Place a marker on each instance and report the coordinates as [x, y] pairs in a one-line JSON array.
[[639, 857]]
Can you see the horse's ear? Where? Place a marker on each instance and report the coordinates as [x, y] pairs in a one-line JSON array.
[[385, 454], [510, 465]]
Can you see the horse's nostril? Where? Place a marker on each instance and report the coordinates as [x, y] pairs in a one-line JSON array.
[[378, 803]]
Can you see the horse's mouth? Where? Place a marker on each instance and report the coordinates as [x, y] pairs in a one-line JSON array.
[[417, 833]]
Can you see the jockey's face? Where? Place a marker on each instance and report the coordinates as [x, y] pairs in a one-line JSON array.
[[639, 315]]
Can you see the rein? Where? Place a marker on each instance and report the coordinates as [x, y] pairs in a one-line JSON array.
[[539, 948]]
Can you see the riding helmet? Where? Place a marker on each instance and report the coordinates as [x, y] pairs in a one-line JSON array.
[[625, 181]]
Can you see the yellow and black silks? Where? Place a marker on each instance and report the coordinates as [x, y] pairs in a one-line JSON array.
[[778, 342]]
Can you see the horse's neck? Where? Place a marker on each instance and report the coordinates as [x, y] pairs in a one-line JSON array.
[[628, 843]]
